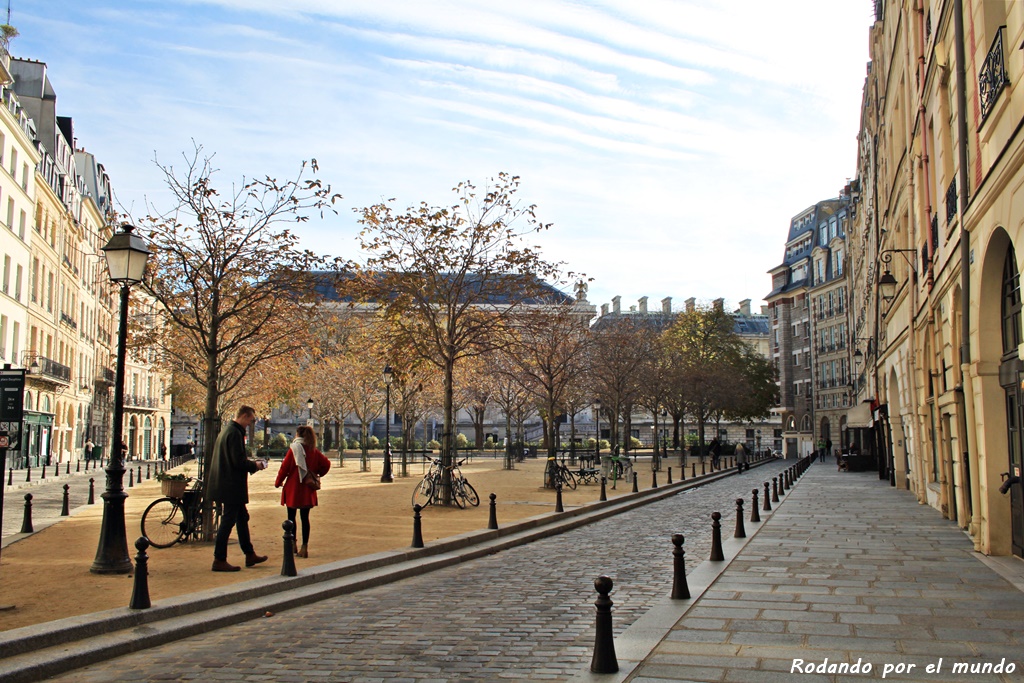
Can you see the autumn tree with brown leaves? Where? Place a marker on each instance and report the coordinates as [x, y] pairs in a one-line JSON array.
[[452, 279]]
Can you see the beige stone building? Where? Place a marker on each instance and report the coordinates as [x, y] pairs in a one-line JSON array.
[[935, 268]]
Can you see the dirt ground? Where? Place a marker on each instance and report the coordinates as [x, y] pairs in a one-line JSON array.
[[46, 576]]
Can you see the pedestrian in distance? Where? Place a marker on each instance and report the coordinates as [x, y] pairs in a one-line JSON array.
[[89, 445], [300, 473], [715, 448], [229, 485], [741, 458]]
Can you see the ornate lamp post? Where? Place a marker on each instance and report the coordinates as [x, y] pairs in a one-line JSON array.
[[385, 475], [126, 255], [309, 407]]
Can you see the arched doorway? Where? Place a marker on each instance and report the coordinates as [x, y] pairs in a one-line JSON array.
[[147, 438], [133, 431], [1011, 377], [161, 447], [825, 432]]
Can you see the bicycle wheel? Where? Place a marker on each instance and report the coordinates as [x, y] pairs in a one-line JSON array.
[[423, 495], [468, 494], [163, 522], [459, 492], [568, 479]]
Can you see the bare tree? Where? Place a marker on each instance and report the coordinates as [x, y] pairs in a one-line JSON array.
[[451, 279]]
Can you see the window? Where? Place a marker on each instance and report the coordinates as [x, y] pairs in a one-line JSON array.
[[796, 388], [21, 224], [7, 275], [14, 161], [49, 292], [3, 337], [17, 283], [10, 213], [15, 333]]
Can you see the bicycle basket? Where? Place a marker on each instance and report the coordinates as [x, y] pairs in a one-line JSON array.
[[173, 488]]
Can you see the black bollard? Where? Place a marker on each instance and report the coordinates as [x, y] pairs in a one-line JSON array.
[[604, 661], [92, 491], [754, 516], [716, 538], [680, 589], [654, 479], [67, 467], [740, 531], [140, 588], [28, 473], [43, 475], [767, 498], [64, 512], [147, 470], [775, 489], [78, 466], [131, 475], [492, 523], [417, 527], [138, 477], [703, 468], [693, 470], [26, 521], [636, 489], [604, 493], [10, 477], [682, 472], [288, 564], [558, 499], [669, 476]]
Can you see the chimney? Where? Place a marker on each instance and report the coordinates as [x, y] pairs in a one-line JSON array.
[[719, 304], [666, 305], [616, 304], [691, 303], [745, 308], [604, 310], [643, 304], [764, 309]]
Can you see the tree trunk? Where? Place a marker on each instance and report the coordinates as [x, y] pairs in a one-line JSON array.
[[210, 427], [478, 426], [448, 435]]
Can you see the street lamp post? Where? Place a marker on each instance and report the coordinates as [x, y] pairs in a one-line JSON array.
[[126, 255], [385, 475], [309, 407]]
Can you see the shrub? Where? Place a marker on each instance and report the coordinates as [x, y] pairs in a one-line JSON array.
[[634, 443], [461, 441], [279, 441], [605, 445], [590, 442], [373, 442], [433, 445]]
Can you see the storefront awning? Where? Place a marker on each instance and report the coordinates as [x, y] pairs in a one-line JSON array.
[[859, 415]]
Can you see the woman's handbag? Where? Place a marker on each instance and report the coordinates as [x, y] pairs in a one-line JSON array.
[[312, 480]]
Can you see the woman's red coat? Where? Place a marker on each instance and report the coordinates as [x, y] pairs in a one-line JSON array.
[[295, 494]]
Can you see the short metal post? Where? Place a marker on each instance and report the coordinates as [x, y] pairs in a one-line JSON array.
[[767, 497], [10, 477], [604, 661], [775, 489], [67, 467], [492, 522], [680, 589], [28, 473], [26, 521], [654, 479], [147, 471], [78, 466], [43, 475], [716, 538], [140, 587], [604, 492], [131, 478], [138, 477], [64, 512], [703, 468], [740, 531], [417, 527], [558, 499], [288, 564], [92, 491], [636, 489], [754, 516], [693, 470], [669, 475]]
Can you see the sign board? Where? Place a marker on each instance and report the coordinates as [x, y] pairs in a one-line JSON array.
[[3, 441], [12, 394]]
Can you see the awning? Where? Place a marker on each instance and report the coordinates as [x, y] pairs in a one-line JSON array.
[[859, 415]]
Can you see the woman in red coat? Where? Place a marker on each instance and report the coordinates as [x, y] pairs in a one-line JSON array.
[[302, 461]]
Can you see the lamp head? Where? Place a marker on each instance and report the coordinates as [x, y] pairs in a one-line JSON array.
[[126, 255]]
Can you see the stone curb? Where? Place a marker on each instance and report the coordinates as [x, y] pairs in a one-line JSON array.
[[44, 650]]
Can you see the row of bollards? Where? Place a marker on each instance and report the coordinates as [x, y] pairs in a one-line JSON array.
[[604, 660]]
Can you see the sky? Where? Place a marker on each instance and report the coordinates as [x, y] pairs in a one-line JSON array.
[[669, 142]]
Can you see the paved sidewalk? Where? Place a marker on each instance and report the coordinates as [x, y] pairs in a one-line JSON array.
[[849, 570]]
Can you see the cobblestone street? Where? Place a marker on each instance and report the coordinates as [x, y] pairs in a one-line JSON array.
[[525, 613]]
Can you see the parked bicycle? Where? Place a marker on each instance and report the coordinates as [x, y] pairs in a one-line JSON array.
[[430, 490], [562, 476], [171, 520]]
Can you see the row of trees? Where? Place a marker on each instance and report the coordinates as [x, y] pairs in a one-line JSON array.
[[453, 298]]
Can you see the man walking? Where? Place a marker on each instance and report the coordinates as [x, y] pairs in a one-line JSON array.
[[229, 486]]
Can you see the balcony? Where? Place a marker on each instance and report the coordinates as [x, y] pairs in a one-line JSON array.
[[68, 320], [48, 370], [992, 78], [144, 402], [951, 205], [105, 376]]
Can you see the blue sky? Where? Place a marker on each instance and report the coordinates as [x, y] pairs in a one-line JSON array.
[[668, 141]]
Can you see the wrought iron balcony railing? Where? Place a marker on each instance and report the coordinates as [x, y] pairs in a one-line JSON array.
[[951, 199], [992, 78]]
